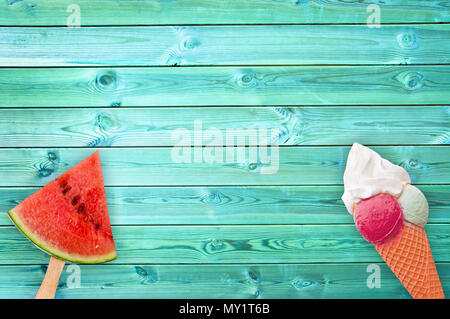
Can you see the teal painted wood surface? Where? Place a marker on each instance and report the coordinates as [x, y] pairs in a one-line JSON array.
[[210, 86], [225, 45], [230, 244], [82, 127], [262, 205], [212, 281], [157, 166], [147, 12], [312, 70]]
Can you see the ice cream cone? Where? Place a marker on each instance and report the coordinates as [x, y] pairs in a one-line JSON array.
[[409, 256]]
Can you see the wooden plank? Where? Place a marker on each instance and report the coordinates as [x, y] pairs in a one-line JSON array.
[[212, 281], [162, 166], [225, 45], [210, 86], [156, 126], [229, 244], [230, 205], [152, 12]]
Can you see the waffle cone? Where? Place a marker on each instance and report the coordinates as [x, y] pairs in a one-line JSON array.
[[410, 259]]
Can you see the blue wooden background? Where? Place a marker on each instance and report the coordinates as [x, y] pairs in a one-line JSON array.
[[137, 70]]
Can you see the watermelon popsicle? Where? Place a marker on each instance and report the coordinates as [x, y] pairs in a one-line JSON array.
[[390, 213], [68, 219]]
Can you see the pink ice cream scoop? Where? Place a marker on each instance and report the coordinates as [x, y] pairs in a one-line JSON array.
[[378, 218]]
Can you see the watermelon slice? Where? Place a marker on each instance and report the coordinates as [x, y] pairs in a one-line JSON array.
[[68, 218]]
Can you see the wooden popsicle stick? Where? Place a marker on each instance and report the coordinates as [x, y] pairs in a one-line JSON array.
[[51, 279]]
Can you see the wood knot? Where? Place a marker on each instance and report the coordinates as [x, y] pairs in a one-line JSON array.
[[106, 81], [413, 163], [52, 156], [213, 197], [190, 43], [246, 80], [217, 244], [414, 81], [105, 121], [302, 284], [411, 80], [254, 275], [46, 165], [45, 171], [148, 276], [44, 268], [407, 40]]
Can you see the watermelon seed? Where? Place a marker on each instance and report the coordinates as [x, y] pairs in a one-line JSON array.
[[65, 190], [75, 200], [97, 226], [80, 208], [62, 183]]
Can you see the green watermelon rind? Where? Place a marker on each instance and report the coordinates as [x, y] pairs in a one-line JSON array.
[[96, 259]]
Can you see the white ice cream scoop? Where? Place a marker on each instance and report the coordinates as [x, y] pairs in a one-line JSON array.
[[368, 174], [414, 205]]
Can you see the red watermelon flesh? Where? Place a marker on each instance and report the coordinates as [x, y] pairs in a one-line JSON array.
[[68, 218]]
